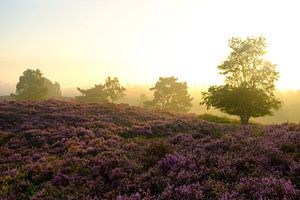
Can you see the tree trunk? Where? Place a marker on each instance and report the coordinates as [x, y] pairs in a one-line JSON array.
[[244, 119]]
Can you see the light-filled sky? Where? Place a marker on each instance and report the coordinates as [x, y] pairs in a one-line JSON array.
[[80, 42]]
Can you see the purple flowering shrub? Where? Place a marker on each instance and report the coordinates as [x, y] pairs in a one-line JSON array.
[[263, 188], [67, 150]]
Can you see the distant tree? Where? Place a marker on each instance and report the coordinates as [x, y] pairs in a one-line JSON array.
[[31, 86], [96, 94], [170, 95], [54, 90], [113, 89], [249, 89]]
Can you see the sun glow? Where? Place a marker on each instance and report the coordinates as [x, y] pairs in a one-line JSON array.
[[138, 40]]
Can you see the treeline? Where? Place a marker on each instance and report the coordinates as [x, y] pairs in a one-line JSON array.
[[248, 90], [169, 93]]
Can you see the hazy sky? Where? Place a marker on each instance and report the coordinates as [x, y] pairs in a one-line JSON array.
[[80, 42]]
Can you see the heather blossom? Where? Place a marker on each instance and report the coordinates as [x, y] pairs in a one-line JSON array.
[[68, 150]]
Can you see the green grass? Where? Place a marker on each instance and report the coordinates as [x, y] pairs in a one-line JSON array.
[[223, 120], [218, 119]]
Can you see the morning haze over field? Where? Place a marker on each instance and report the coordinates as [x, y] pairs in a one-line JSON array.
[[78, 43]]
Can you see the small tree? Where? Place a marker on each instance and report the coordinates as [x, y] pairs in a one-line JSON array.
[[249, 82], [31, 86], [113, 89], [170, 95], [96, 94]]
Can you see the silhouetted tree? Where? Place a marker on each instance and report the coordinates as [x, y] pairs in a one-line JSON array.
[[249, 82], [113, 89], [54, 90], [96, 94], [31, 86], [170, 95]]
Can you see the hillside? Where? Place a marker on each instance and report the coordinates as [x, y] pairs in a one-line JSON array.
[[66, 150]]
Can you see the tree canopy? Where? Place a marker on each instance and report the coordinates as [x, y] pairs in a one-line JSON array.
[[169, 94], [95, 94], [31, 86], [249, 89], [113, 89]]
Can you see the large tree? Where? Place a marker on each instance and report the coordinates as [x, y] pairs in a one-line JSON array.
[[94, 95], [113, 89], [31, 86], [249, 89], [169, 94]]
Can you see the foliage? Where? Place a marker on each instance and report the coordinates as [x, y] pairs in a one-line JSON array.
[[69, 150], [241, 101], [249, 82], [113, 89], [171, 95], [31, 86], [95, 94], [100, 93]]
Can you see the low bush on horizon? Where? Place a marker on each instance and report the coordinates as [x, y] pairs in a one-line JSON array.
[[69, 150]]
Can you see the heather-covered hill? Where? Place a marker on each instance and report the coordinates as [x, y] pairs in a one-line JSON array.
[[67, 150]]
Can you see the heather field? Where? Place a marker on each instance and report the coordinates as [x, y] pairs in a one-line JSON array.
[[67, 150]]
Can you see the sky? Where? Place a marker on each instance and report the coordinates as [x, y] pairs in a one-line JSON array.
[[80, 42]]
